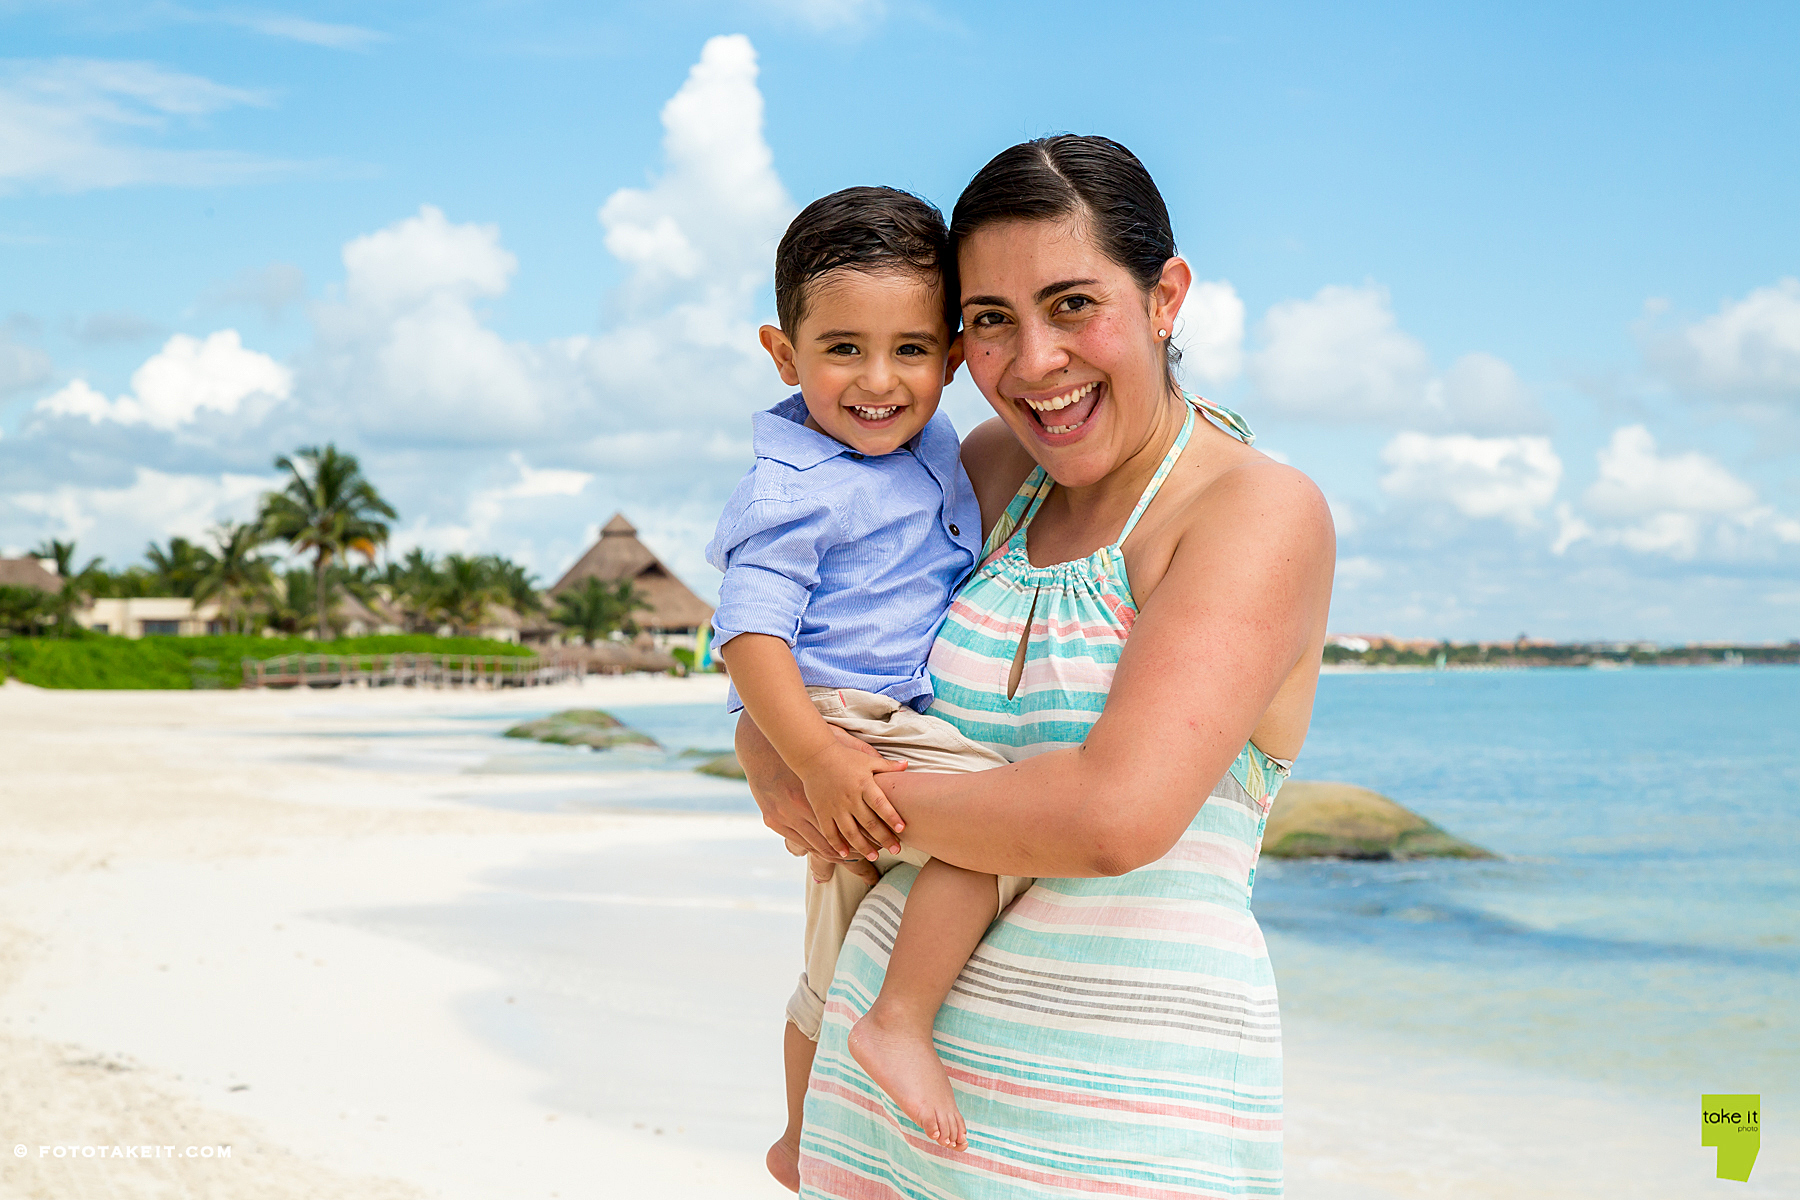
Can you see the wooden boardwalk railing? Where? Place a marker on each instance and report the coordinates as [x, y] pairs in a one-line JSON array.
[[408, 670]]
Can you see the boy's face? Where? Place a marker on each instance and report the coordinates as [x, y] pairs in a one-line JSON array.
[[871, 356]]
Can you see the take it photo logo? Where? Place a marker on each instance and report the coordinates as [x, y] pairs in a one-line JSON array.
[[1734, 1125]]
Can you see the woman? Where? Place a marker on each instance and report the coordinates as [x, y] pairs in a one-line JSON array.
[[1148, 619]]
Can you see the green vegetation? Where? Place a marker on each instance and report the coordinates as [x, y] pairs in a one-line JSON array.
[[426, 592], [582, 727], [595, 609], [329, 508], [100, 661]]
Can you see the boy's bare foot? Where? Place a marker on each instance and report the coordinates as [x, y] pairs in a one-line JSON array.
[[784, 1164], [900, 1058]]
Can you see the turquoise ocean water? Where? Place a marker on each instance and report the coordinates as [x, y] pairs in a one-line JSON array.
[[1643, 926], [1641, 929]]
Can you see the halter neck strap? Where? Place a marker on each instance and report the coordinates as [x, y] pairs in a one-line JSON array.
[[1162, 473], [1234, 424], [1038, 485]]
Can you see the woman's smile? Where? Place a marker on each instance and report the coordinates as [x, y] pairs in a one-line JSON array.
[[1065, 413]]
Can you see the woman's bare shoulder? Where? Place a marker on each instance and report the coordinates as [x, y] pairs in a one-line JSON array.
[[997, 465], [1260, 500]]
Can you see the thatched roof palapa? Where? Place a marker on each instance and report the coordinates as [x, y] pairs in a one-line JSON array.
[[670, 604], [28, 573]]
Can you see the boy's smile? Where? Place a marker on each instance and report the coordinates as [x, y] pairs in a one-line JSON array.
[[871, 356]]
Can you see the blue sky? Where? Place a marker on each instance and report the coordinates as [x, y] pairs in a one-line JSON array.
[[1516, 285]]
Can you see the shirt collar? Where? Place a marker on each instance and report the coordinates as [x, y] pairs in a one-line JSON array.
[[781, 434]]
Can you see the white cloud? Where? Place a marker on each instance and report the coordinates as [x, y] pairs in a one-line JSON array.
[[829, 14], [68, 124], [153, 507], [182, 380], [1748, 350], [313, 33], [1339, 356], [424, 258], [21, 367], [272, 288], [405, 350], [488, 509], [1670, 504], [1509, 478], [1342, 358], [1636, 482], [710, 222], [102, 328], [1482, 394], [407, 354], [1357, 570], [1210, 334]]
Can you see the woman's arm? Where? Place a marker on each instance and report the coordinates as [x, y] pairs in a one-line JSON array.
[[1243, 602]]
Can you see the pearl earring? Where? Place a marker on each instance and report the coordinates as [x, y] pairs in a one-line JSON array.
[[1162, 333]]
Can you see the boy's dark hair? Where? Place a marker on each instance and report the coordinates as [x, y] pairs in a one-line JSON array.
[[863, 229], [1093, 179]]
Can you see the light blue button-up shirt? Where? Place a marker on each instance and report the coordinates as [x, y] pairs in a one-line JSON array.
[[850, 560]]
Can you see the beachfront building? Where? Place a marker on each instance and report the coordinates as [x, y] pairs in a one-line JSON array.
[[38, 574], [672, 615], [178, 616], [150, 616]]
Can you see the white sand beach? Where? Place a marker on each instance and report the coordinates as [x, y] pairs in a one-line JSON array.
[[244, 920]]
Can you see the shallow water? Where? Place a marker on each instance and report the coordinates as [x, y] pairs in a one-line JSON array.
[[1643, 927]]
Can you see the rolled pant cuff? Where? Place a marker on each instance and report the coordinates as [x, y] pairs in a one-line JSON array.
[[806, 1009]]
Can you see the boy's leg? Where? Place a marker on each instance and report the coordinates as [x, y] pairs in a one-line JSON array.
[[947, 911], [783, 1159], [830, 907]]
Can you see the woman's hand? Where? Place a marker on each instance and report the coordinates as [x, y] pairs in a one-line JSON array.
[[780, 795]]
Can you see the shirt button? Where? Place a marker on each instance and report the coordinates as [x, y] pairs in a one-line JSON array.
[[955, 532], [856, 456]]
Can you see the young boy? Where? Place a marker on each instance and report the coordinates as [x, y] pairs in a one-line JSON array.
[[841, 549]]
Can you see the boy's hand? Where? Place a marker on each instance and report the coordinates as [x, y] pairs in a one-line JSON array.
[[850, 809]]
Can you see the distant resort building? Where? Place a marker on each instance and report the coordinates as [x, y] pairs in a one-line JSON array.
[[36, 573], [150, 616], [672, 615]]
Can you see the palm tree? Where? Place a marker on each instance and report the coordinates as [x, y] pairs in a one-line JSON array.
[[517, 585], [74, 582], [329, 508], [465, 589], [290, 600], [61, 553], [236, 572], [595, 609], [413, 584], [179, 567]]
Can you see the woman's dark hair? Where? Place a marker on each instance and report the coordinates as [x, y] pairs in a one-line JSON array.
[[863, 229], [1093, 179]]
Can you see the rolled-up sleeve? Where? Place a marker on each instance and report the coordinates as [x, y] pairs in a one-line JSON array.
[[770, 551]]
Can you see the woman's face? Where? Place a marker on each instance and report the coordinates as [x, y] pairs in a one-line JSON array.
[[1064, 344]]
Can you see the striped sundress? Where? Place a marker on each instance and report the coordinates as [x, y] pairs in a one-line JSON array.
[[1109, 1037]]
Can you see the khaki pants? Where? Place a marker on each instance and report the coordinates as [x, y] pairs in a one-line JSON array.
[[925, 744]]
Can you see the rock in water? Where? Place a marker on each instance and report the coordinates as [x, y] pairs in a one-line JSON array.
[[1341, 820], [725, 766], [582, 727]]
